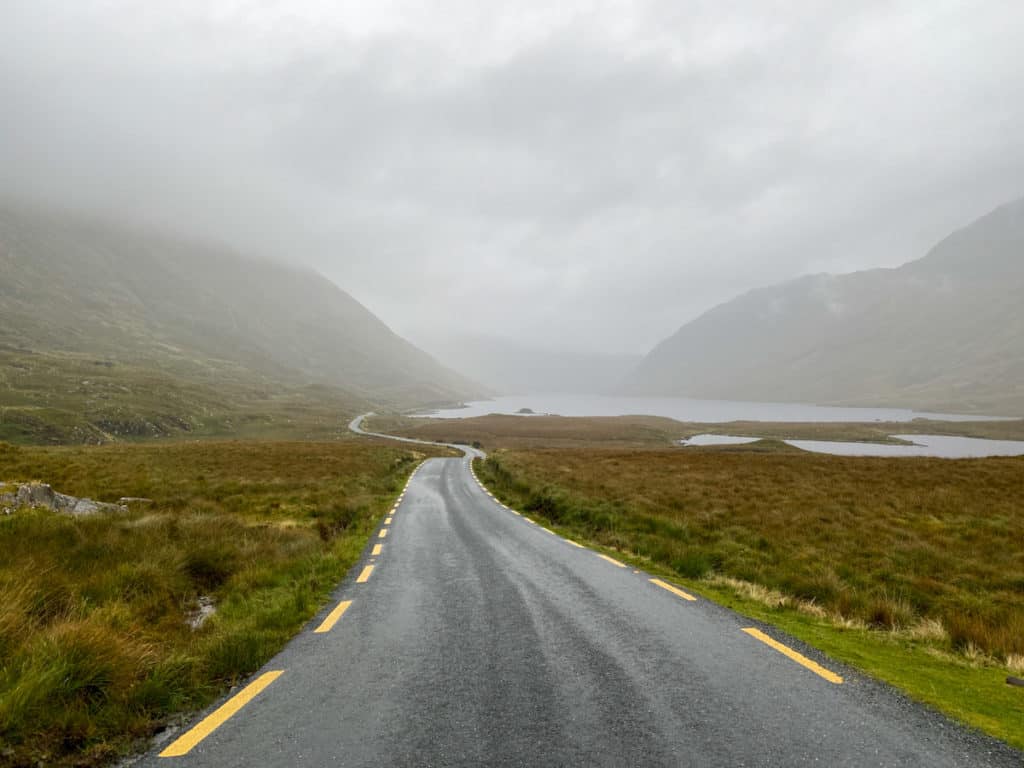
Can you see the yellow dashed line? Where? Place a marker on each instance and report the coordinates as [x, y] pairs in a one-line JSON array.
[[377, 549], [383, 533], [365, 575], [674, 590], [799, 658], [218, 717], [611, 560], [387, 521], [575, 544], [332, 617], [548, 530]]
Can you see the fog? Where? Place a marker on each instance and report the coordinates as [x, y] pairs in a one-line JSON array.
[[569, 175]]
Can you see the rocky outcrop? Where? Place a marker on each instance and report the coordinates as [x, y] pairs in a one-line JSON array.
[[35, 495]]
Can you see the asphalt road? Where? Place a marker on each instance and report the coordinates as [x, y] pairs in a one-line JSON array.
[[479, 638]]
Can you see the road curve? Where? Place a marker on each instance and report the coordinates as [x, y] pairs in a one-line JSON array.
[[479, 638]]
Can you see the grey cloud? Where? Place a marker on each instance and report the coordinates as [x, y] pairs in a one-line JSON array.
[[592, 175]]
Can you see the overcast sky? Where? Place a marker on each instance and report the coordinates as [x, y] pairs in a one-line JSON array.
[[590, 174]]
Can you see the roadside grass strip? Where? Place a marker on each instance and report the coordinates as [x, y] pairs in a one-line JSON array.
[[674, 590], [365, 575], [799, 658], [611, 560], [186, 743], [332, 617]]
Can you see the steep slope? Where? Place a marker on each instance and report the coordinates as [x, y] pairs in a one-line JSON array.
[[943, 332], [198, 315]]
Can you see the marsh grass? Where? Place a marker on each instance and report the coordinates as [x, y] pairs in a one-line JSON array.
[[95, 643], [891, 544], [498, 431], [910, 569]]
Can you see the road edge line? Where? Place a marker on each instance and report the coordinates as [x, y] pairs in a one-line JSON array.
[[799, 658], [195, 735]]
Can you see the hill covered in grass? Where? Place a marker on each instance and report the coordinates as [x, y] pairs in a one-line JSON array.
[[108, 332], [945, 332]]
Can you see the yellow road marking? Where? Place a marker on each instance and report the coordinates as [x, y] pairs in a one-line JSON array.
[[218, 717], [332, 617], [377, 549], [674, 590], [575, 544], [799, 658], [383, 533], [387, 521], [514, 512], [365, 575], [548, 530], [611, 560]]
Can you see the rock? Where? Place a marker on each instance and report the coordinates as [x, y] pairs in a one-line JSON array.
[[84, 507], [64, 503], [36, 495], [42, 495]]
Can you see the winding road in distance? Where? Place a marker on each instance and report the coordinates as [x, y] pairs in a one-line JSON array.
[[469, 636]]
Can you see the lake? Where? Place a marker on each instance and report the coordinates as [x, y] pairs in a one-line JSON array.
[[686, 409], [937, 446]]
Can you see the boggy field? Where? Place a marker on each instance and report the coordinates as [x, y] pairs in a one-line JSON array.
[[96, 648], [894, 544], [910, 569]]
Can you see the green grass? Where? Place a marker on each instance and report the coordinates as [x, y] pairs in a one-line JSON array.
[[910, 570], [55, 399], [96, 652]]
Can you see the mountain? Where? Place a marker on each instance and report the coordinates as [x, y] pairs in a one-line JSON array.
[[195, 315], [509, 367], [945, 332]]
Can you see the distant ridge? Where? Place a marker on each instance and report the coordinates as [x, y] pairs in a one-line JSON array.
[[945, 332], [512, 368]]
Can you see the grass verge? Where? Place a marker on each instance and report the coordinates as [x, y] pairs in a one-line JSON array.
[[906, 569], [96, 648]]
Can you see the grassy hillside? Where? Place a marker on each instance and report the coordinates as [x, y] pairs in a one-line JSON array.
[[55, 398], [906, 569], [945, 333], [95, 643], [189, 329]]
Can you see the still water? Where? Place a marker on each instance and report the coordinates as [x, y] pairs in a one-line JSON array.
[[938, 446], [684, 409]]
